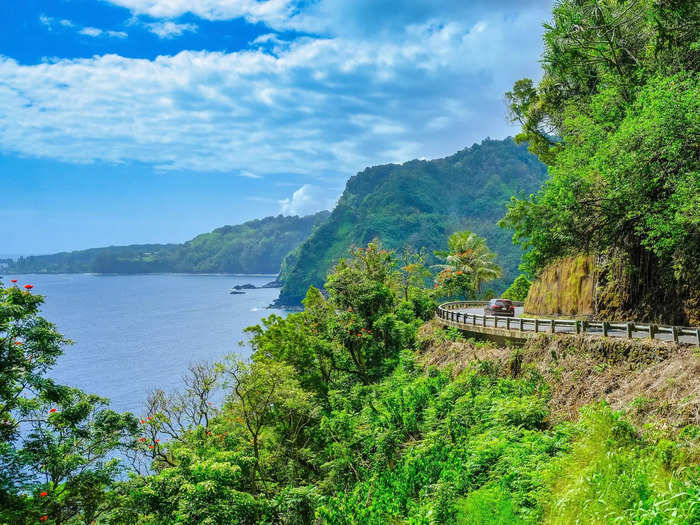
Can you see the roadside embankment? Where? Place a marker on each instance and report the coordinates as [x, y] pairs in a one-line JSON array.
[[566, 287], [651, 381]]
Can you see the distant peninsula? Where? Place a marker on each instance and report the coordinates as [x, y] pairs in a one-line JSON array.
[[256, 246]]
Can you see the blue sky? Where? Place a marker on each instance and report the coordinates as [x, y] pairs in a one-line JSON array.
[[132, 121]]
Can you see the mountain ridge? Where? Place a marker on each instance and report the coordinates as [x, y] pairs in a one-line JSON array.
[[419, 203]]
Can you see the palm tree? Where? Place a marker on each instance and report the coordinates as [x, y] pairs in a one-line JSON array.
[[469, 254]]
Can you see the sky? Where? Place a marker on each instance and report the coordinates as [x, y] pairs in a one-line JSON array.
[[135, 121]]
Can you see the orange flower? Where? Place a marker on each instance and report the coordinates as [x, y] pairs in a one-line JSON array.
[[150, 446], [44, 518], [143, 421], [28, 286], [52, 411], [44, 494], [19, 343], [157, 440]]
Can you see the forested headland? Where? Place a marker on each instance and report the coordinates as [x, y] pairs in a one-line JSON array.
[[256, 246], [418, 204]]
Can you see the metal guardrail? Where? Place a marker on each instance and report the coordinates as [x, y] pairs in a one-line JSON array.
[[528, 326]]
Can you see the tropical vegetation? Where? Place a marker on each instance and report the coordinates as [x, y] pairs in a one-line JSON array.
[[467, 265], [420, 204], [615, 118], [256, 246], [336, 417]]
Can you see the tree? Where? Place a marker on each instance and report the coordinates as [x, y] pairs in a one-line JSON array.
[[265, 393], [519, 289], [57, 443], [621, 94], [468, 264], [412, 271]]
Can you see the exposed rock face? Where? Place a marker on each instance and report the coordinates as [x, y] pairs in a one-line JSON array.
[[615, 286], [565, 288]]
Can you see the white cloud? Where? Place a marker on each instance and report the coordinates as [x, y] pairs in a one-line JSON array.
[[170, 29], [90, 31], [46, 21], [275, 12], [320, 107], [64, 23], [328, 16], [307, 200]]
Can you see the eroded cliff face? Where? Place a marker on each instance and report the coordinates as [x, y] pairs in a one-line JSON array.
[[615, 286], [565, 288]]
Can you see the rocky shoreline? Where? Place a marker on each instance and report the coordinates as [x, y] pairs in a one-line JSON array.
[[239, 288]]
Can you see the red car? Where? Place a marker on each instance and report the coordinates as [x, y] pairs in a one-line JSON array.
[[500, 307]]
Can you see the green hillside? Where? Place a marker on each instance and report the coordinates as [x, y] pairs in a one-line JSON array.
[[256, 246], [419, 203]]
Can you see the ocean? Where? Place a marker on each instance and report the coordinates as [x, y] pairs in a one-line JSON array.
[[136, 333]]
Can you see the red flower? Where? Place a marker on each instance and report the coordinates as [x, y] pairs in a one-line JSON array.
[[19, 343], [52, 411], [157, 440], [28, 286], [44, 494], [13, 280], [150, 446], [143, 421], [43, 518]]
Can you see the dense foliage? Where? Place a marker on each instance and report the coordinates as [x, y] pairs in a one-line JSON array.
[[519, 289], [468, 263], [621, 92], [332, 420], [253, 247], [56, 442], [419, 204]]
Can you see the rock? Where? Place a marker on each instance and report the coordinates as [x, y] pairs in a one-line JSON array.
[[245, 287], [272, 284], [236, 292]]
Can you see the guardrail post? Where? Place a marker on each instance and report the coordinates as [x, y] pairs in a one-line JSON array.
[[578, 327], [551, 327], [520, 324], [697, 336], [652, 330], [630, 328], [536, 325], [674, 333], [606, 327], [507, 323], [483, 320], [584, 325]]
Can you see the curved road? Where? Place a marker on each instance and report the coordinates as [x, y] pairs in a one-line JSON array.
[[530, 327]]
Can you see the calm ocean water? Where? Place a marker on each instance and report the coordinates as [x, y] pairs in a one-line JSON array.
[[134, 333]]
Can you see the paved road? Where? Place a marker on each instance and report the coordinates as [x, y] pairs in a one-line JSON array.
[[530, 327]]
